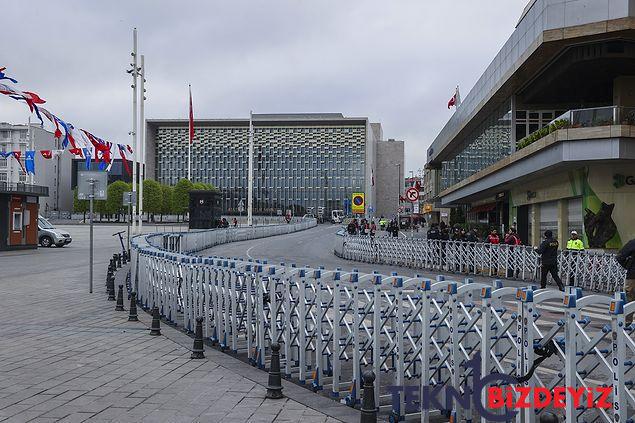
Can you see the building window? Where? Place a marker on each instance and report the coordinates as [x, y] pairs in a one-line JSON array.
[[17, 221]]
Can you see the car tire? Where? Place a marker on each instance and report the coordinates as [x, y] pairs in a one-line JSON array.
[[46, 241]]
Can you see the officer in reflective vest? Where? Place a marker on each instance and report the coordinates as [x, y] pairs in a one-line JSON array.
[[574, 246]]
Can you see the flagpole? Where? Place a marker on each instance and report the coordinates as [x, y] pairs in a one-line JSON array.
[[134, 128], [250, 176], [189, 138], [30, 148], [142, 141]]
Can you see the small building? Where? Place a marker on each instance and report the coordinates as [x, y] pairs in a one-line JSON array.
[[19, 209]]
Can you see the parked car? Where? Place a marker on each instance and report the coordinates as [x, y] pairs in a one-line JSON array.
[[48, 235]]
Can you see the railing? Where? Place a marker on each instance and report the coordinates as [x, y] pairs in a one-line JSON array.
[[332, 325], [591, 270], [198, 240], [18, 187], [583, 118]]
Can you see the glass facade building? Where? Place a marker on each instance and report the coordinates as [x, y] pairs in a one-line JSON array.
[[301, 163]]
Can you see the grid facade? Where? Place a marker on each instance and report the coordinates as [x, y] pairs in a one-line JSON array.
[[295, 166]]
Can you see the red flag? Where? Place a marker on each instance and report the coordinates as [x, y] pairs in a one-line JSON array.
[[76, 152], [47, 154], [123, 159], [452, 101], [191, 126], [17, 155]]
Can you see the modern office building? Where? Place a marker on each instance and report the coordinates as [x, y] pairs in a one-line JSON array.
[[54, 173], [301, 161], [546, 138]]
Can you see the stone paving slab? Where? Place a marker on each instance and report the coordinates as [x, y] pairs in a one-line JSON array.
[[66, 355]]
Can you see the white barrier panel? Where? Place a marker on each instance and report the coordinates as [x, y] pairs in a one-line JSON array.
[[591, 270], [416, 334]]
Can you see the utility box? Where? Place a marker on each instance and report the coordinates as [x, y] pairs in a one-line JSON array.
[[205, 209]]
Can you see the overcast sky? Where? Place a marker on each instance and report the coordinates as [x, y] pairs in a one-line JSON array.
[[396, 62]]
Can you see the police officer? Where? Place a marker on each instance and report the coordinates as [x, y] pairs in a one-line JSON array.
[[548, 251], [574, 246]]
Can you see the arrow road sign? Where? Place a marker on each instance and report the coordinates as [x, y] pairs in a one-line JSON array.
[[412, 194]]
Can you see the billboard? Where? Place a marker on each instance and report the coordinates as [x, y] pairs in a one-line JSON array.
[[358, 204]]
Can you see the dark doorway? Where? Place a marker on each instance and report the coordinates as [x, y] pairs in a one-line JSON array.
[[522, 220]]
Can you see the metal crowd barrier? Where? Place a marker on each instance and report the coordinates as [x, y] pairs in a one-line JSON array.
[[591, 270], [411, 332]]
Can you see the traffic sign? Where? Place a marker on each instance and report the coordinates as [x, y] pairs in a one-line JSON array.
[[412, 194], [129, 198], [358, 203]]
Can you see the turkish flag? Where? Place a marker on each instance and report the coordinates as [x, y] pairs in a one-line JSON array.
[[47, 154], [452, 101]]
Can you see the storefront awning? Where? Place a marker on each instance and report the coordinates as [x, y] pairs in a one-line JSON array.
[[483, 208]]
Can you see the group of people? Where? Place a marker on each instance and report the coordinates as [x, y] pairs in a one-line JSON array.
[[443, 232], [361, 227], [224, 223]]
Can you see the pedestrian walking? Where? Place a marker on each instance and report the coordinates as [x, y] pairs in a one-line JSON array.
[[350, 228], [574, 246], [235, 222], [363, 227], [373, 228], [626, 259], [512, 239], [548, 251]]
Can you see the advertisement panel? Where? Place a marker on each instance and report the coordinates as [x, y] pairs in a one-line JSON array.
[[358, 204]]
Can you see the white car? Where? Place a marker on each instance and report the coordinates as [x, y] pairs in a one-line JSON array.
[[48, 235]]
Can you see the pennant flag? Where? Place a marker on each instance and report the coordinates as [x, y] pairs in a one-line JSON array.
[[29, 161], [88, 156], [76, 152], [53, 119], [6, 154], [17, 155], [191, 124], [30, 98], [3, 76], [47, 154], [123, 158]]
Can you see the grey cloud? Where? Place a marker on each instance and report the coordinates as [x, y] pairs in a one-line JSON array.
[[396, 62]]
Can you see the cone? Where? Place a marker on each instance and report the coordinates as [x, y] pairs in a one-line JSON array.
[[198, 348], [274, 387], [155, 330], [132, 317]]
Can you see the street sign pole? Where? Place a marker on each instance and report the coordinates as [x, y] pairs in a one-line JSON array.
[[91, 198]]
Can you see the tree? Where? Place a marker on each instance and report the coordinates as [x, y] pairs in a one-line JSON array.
[[167, 204], [181, 197], [152, 197], [80, 206], [114, 203]]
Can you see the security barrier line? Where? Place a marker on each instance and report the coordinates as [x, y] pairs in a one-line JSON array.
[[411, 332]]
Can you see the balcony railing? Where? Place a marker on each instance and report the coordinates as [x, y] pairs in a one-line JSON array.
[[21, 188], [583, 118]]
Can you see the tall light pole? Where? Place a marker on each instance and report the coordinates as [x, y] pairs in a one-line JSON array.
[[142, 141], [134, 72], [250, 176]]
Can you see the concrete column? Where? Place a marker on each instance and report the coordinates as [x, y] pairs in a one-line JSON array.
[[563, 222], [512, 135], [535, 225]]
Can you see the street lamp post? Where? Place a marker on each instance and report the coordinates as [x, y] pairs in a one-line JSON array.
[[399, 183]]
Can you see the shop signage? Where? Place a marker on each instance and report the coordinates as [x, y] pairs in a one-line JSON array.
[[620, 180]]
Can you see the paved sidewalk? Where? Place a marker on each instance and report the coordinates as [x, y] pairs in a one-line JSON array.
[[66, 355]]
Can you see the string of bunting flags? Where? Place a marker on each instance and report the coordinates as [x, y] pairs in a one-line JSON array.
[[78, 142]]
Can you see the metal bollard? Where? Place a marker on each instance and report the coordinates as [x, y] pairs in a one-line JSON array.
[[274, 386], [198, 348], [119, 263], [119, 306], [155, 330], [369, 409], [110, 288], [132, 317], [114, 261], [548, 417]]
